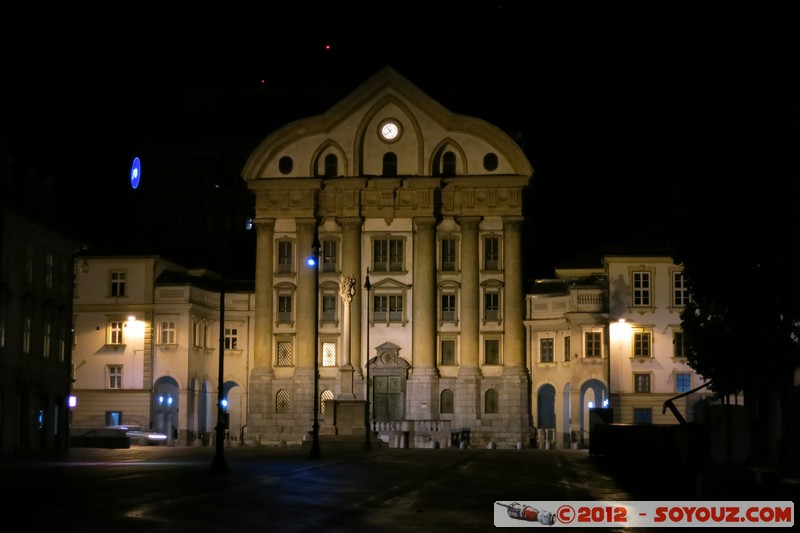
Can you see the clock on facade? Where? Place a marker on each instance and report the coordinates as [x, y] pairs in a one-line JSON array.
[[390, 130]]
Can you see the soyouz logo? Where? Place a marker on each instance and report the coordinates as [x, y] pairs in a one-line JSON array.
[[645, 514]]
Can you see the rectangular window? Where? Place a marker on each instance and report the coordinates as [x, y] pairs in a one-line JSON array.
[[118, 284], [641, 382], [448, 255], [115, 332], [546, 350], [491, 305], [387, 255], [27, 324], [641, 344], [48, 273], [396, 255], [491, 253], [642, 415], [285, 256], [62, 344], [329, 307], [284, 357], [448, 347], [197, 332], [284, 308], [388, 308], [641, 289], [46, 335], [329, 255], [328, 353], [231, 338], [567, 349], [448, 307], [677, 343], [594, 344], [114, 377], [680, 295], [167, 334], [29, 264], [491, 351], [683, 382], [395, 308]]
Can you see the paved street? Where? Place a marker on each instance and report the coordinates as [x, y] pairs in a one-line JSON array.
[[156, 489]]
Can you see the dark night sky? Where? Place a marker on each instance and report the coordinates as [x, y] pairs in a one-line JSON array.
[[627, 114]]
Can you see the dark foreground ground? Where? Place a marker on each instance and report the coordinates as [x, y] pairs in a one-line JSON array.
[[166, 489], [174, 489]]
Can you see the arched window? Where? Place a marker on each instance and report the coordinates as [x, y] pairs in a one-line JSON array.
[[449, 164], [331, 166], [492, 402], [282, 402], [447, 402], [326, 395], [390, 164]]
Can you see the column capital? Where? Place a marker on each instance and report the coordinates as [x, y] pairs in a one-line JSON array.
[[306, 223], [513, 221], [266, 223], [423, 223], [468, 222], [350, 223]]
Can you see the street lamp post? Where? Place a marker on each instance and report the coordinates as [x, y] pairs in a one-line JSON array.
[[313, 262], [219, 464], [368, 443]]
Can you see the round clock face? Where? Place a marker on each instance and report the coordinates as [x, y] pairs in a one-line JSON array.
[[136, 172], [390, 131]]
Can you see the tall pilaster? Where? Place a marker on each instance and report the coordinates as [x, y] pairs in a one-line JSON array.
[[515, 374], [469, 314], [424, 382], [468, 391], [263, 312], [514, 346], [260, 406], [424, 308]]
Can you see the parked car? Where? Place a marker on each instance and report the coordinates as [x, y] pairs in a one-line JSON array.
[[137, 435]]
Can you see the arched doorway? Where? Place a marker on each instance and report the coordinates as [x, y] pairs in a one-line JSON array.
[[165, 406], [546, 415], [594, 393], [235, 407]]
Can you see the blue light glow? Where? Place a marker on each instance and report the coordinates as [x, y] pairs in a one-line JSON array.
[[136, 172]]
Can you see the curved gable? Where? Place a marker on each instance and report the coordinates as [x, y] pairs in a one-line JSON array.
[[353, 124]]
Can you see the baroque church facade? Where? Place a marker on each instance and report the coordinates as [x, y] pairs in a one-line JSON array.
[[391, 191]]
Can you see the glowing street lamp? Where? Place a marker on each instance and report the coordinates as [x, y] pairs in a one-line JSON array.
[[219, 464]]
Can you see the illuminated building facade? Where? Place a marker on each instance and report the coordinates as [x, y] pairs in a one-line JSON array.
[[426, 202]]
